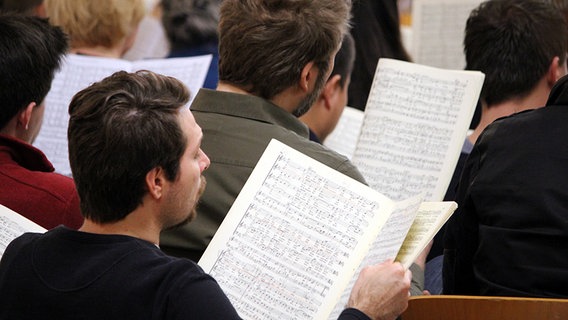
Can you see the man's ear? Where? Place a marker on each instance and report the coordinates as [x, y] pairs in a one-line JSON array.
[[25, 115], [331, 91], [307, 76], [555, 71], [155, 181]]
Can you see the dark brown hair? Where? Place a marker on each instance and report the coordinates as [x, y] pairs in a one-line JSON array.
[[264, 44], [513, 42], [119, 129]]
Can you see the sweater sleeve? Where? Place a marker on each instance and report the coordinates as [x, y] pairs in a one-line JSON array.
[[352, 314], [196, 295]]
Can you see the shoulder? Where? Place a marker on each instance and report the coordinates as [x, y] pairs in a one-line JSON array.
[[51, 183], [193, 292], [57, 184], [523, 127], [176, 272], [186, 269], [526, 117], [324, 155], [23, 240], [18, 247]]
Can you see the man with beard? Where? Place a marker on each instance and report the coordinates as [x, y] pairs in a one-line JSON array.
[[135, 154], [275, 57], [134, 149], [274, 60]]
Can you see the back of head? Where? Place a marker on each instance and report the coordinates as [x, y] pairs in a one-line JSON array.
[[344, 59], [26, 7], [264, 44], [119, 129], [30, 52], [190, 22], [561, 5], [513, 42], [96, 23]]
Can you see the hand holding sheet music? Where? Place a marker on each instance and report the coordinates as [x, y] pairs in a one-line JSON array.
[[297, 233]]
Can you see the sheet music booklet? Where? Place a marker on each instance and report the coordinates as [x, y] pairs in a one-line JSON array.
[[78, 72], [299, 232], [293, 241]]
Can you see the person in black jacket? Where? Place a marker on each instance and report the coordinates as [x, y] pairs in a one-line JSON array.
[[512, 228], [521, 47]]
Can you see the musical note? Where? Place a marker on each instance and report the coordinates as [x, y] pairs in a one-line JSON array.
[[415, 123], [12, 225], [78, 72], [299, 228]]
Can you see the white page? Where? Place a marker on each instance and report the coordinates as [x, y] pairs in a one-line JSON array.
[[416, 120], [429, 219], [293, 238], [151, 40], [189, 70], [78, 72], [386, 245], [13, 225], [438, 32], [344, 136], [406, 37]]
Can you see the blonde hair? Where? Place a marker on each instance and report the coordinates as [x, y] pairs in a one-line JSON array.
[[96, 23]]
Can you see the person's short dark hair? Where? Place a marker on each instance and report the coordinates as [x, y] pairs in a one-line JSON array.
[[376, 31], [189, 22], [119, 129], [561, 5], [25, 7], [264, 44], [513, 42], [344, 59], [31, 51]]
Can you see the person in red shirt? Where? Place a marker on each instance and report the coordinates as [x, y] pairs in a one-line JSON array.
[[30, 52]]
